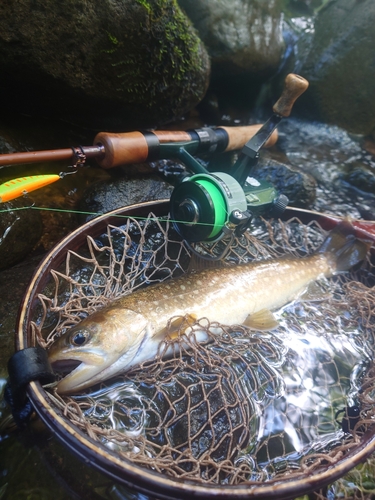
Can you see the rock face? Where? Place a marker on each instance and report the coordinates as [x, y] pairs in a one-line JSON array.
[[340, 66], [297, 185], [243, 38], [20, 230], [104, 197], [13, 284], [101, 63]]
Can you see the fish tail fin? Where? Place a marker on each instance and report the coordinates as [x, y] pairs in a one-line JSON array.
[[346, 248]]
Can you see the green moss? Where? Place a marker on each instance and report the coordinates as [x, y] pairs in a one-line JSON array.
[[114, 42], [159, 61], [112, 39], [145, 4]]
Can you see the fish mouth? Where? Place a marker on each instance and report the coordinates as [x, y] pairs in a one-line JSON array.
[[75, 374], [65, 366], [76, 369]]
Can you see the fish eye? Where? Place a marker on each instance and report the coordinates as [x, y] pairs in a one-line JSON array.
[[80, 338]]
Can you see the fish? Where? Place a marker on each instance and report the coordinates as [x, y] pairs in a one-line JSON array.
[[130, 329]]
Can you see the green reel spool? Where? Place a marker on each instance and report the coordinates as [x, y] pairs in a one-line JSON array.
[[201, 205]]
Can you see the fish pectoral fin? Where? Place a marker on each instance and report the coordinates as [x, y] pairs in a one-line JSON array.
[[261, 320], [175, 325]]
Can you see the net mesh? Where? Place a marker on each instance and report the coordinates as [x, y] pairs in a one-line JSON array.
[[243, 406]]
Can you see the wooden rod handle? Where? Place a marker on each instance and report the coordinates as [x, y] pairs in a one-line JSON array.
[[115, 149], [294, 86], [132, 147], [238, 136], [121, 149]]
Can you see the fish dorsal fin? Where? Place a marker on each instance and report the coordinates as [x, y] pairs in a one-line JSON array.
[[261, 320]]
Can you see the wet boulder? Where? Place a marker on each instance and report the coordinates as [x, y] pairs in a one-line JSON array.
[[243, 38], [20, 231], [13, 284], [119, 64], [339, 64], [361, 176], [293, 182], [104, 197]]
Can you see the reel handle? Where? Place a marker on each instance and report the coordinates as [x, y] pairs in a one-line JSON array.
[[294, 86]]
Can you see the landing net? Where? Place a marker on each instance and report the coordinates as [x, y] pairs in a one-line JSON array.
[[244, 407]]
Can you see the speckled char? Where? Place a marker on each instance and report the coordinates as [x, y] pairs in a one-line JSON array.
[[227, 295], [131, 330]]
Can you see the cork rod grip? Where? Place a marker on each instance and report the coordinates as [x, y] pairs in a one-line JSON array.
[[294, 86], [238, 136], [131, 147]]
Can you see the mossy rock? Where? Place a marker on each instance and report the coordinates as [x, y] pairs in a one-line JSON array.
[[119, 64]]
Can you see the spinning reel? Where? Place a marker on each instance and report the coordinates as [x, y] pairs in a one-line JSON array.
[[206, 206]]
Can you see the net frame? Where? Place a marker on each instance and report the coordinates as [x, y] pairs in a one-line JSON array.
[[129, 473]]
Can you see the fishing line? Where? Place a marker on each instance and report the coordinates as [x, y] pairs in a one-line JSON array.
[[82, 212]]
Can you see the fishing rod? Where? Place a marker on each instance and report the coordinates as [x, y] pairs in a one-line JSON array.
[[115, 149], [204, 206]]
